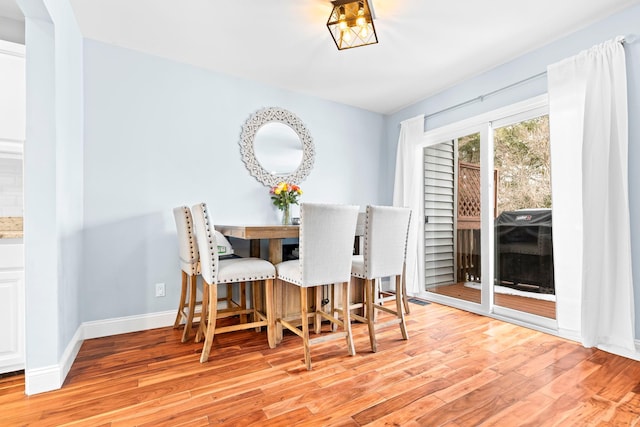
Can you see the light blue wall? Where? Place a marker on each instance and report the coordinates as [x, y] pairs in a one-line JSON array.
[[159, 134], [40, 228], [69, 167], [625, 23], [52, 182]]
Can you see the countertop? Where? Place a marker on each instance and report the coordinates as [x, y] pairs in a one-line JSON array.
[[10, 227]]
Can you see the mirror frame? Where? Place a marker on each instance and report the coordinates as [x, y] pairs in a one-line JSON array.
[[247, 146]]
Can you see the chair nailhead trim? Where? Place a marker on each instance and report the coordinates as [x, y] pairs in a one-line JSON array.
[[187, 217], [248, 279], [366, 242]]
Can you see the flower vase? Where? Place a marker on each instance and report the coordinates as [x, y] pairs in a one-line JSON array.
[[286, 214]]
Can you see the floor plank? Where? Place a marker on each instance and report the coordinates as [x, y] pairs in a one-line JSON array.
[[457, 369]]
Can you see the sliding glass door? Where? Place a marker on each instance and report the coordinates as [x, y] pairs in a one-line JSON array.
[[523, 270], [487, 215], [452, 210]]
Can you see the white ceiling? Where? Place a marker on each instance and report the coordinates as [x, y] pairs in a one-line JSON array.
[[424, 46]]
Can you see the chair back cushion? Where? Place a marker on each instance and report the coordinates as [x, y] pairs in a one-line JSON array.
[[187, 248], [385, 240], [326, 242], [207, 243]]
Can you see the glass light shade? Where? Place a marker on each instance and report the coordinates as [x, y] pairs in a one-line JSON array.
[[351, 24]]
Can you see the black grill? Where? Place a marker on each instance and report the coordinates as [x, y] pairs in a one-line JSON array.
[[524, 250]]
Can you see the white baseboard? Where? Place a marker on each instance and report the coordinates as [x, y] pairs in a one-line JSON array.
[[52, 377], [124, 325], [44, 379], [70, 353], [40, 380], [635, 355]]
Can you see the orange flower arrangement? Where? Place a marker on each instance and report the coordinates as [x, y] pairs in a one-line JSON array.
[[285, 194]]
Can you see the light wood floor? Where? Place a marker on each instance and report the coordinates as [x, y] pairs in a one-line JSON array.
[[515, 302], [457, 369]]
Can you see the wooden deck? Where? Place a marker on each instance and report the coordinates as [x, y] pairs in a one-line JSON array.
[[528, 305], [457, 369]]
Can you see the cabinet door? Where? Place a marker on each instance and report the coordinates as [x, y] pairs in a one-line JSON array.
[[13, 89], [12, 321]]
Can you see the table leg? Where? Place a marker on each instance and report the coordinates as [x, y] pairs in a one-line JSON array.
[[279, 307], [275, 251], [254, 248], [275, 257]]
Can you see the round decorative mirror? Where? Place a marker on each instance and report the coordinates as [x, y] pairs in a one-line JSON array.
[[276, 146]]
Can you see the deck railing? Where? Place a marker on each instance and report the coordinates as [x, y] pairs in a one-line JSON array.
[[468, 224]]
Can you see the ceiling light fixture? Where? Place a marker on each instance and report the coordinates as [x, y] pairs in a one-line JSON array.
[[351, 24]]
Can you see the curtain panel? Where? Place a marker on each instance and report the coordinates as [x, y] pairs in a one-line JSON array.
[[592, 243], [406, 193]]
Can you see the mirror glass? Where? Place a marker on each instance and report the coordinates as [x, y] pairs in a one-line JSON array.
[[278, 148]]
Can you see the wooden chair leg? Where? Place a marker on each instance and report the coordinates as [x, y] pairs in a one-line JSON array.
[[369, 286], [270, 310], [399, 304], [305, 327], [211, 323], [317, 320], [333, 312], [243, 302], [254, 304], [278, 306], [263, 297], [193, 287], [405, 298], [183, 298], [229, 297], [204, 318], [346, 318], [375, 285]]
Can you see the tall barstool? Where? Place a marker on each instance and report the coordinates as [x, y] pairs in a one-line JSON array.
[[190, 270], [188, 253], [385, 247], [326, 246], [216, 271]]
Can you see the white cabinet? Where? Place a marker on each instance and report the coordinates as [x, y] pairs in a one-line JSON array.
[[12, 135], [12, 88], [11, 307]]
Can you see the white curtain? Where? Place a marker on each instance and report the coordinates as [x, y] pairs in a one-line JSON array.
[[592, 245], [406, 192]]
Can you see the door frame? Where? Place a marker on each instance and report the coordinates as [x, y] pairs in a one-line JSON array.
[[484, 124]]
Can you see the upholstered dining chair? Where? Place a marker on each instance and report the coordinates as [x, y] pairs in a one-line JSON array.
[[385, 246], [325, 250], [216, 271], [190, 270], [188, 253], [360, 229]]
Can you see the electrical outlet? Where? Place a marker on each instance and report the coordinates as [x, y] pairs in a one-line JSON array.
[[159, 289]]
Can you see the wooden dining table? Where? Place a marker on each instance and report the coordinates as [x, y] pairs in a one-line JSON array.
[[254, 233], [287, 296], [274, 233]]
